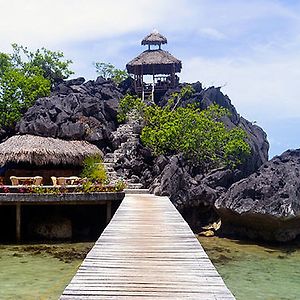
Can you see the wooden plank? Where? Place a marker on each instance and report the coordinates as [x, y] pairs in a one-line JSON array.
[[147, 252]]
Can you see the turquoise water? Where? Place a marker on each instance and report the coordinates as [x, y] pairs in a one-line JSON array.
[[255, 272], [38, 271], [250, 271]]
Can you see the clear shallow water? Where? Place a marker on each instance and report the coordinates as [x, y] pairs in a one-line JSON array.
[[38, 271], [255, 272], [250, 271]]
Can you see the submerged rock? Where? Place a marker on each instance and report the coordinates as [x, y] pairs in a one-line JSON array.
[[266, 205], [51, 228]]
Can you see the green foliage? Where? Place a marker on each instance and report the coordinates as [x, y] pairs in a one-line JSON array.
[[52, 63], [93, 170], [24, 77], [109, 71], [19, 88], [185, 93], [120, 185], [130, 104], [85, 186], [199, 134]]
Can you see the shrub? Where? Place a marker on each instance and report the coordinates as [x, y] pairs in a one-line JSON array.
[[109, 71], [130, 104], [94, 170], [199, 134]]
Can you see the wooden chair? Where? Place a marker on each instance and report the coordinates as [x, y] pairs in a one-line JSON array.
[[72, 180], [36, 180]]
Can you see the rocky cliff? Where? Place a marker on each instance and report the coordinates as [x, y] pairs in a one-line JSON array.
[[193, 192], [87, 110], [266, 205], [75, 110]]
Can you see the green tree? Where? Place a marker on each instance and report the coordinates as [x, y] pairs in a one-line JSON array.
[[24, 77], [55, 68], [109, 71], [19, 88], [185, 92], [199, 134]]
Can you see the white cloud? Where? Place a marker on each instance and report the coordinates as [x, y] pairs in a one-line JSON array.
[[53, 22], [260, 88], [212, 33]]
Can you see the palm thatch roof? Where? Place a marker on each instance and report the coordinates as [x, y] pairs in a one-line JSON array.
[[154, 62], [154, 38], [45, 150]]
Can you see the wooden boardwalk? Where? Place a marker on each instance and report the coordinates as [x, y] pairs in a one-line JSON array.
[[147, 252]]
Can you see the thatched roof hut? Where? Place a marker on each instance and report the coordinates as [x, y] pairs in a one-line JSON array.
[[160, 64], [40, 151], [154, 38], [152, 62]]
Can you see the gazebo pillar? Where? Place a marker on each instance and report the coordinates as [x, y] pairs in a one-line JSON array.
[[153, 85], [142, 83], [173, 76], [136, 78], [152, 91]]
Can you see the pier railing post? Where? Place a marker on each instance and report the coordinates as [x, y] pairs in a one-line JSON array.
[[108, 211], [18, 222]]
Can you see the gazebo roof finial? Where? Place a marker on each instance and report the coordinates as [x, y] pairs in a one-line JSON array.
[[154, 38]]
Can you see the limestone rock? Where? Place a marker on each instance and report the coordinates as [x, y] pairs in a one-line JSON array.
[[257, 138], [75, 110], [207, 233], [87, 110], [265, 205], [190, 188]]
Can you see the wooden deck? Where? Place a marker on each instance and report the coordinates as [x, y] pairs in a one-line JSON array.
[[147, 252], [20, 200]]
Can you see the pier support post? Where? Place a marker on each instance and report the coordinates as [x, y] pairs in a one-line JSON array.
[[108, 211], [18, 222]]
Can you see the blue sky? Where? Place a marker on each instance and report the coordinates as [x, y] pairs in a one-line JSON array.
[[250, 48]]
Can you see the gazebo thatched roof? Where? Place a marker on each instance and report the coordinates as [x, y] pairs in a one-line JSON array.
[[154, 38], [45, 150], [154, 62]]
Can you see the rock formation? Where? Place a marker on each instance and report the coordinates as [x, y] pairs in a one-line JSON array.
[[75, 110], [126, 161], [265, 205], [87, 110], [188, 188], [257, 137]]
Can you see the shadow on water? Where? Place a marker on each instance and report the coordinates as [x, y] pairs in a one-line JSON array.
[[39, 267]]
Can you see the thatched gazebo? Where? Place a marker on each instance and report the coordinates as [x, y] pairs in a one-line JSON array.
[[30, 155], [158, 63]]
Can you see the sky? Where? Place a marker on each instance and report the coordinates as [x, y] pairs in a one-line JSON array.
[[249, 48]]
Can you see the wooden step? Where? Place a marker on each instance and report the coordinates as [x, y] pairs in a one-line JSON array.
[[136, 191]]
